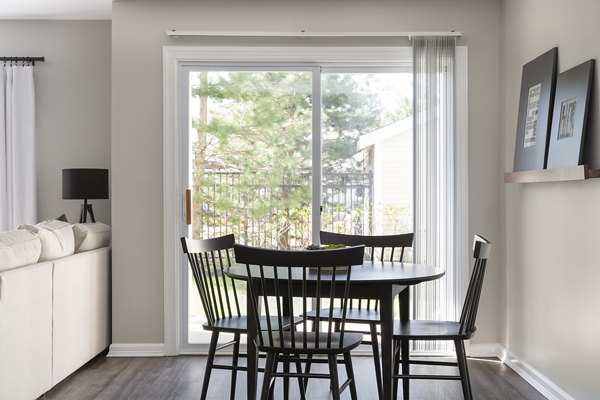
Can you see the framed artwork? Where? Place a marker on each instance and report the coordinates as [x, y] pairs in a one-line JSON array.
[[571, 106], [535, 112]]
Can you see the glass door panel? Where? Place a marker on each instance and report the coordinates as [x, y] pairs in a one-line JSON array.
[[251, 162], [367, 157], [251, 156]]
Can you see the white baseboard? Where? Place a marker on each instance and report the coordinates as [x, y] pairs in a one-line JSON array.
[[486, 350], [531, 375], [535, 378], [136, 350]]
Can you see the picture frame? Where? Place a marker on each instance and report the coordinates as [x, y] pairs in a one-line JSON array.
[[538, 83], [570, 115]]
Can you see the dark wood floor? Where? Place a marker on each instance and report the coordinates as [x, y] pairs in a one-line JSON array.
[[180, 378]]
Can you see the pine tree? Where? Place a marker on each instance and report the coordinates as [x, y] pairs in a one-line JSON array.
[[257, 134]]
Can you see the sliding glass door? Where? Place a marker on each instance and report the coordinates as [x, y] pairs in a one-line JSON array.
[[250, 161], [276, 153], [251, 155], [367, 163]]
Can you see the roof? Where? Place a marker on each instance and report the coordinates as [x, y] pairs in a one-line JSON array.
[[386, 132]]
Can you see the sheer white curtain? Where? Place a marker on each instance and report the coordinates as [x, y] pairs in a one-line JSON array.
[[435, 175], [17, 147]]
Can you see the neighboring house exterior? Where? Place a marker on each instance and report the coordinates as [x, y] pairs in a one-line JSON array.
[[388, 153]]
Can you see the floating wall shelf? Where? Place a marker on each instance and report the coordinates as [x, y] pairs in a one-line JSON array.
[[575, 173]]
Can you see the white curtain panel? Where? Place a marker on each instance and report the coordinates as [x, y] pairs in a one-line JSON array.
[[17, 147], [435, 172]]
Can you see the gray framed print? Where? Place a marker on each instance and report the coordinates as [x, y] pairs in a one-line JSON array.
[[535, 112], [570, 115]]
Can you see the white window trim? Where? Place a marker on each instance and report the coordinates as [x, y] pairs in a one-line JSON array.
[[463, 241], [173, 206]]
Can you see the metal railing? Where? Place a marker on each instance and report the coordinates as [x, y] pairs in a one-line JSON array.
[[280, 216]]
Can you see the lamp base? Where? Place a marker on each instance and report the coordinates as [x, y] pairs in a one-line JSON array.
[[85, 210]]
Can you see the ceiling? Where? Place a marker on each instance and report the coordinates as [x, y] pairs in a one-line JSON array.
[[55, 9]]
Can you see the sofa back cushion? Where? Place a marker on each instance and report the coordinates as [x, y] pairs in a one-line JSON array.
[[56, 237], [91, 236], [18, 248]]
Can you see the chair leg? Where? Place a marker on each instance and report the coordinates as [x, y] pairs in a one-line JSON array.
[[376, 360], [333, 373], [405, 356], [286, 379], [307, 370], [463, 368], [273, 378], [396, 350], [300, 380], [212, 348], [234, 363], [266, 387], [350, 373]]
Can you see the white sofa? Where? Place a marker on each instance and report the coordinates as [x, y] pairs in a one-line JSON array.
[[54, 315]]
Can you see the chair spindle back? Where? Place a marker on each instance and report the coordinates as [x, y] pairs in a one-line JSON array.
[[387, 246], [395, 244], [208, 259], [481, 252], [329, 272]]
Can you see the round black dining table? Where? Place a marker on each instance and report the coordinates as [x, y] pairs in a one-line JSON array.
[[379, 280]]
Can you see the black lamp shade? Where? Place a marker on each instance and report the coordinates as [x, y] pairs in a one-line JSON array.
[[84, 183]]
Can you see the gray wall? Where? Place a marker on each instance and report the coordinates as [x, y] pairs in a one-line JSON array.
[[551, 230], [72, 91], [138, 36]]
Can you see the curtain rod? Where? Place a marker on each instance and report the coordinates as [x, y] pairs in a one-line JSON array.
[[32, 60], [304, 34]]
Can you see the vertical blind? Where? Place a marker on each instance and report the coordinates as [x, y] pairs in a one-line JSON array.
[[435, 174]]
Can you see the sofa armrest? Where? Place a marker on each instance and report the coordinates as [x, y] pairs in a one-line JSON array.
[[26, 332], [81, 310]]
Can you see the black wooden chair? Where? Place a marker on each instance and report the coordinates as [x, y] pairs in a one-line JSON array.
[[208, 259], [464, 329], [321, 274], [382, 248]]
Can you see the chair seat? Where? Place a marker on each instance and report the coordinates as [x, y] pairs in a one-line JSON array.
[[240, 324], [350, 341], [353, 315], [429, 330]]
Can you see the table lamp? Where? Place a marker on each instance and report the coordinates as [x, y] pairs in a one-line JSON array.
[[85, 183]]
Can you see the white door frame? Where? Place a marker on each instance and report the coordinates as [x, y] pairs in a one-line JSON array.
[[173, 200]]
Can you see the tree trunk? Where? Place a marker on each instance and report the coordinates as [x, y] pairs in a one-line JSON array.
[[199, 163]]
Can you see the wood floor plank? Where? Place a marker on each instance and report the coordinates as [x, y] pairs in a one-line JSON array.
[[180, 378]]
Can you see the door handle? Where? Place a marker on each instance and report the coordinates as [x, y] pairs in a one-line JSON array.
[[188, 206]]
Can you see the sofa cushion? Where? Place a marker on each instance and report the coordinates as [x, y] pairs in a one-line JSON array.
[[56, 237], [91, 236], [18, 248]]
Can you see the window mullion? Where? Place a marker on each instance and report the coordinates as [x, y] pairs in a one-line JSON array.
[[316, 154]]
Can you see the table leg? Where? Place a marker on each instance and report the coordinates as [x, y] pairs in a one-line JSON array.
[[252, 355], [404, 346], [387, 331]]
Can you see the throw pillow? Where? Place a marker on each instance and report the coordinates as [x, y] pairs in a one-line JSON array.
[[62, 217], [91, 236]]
